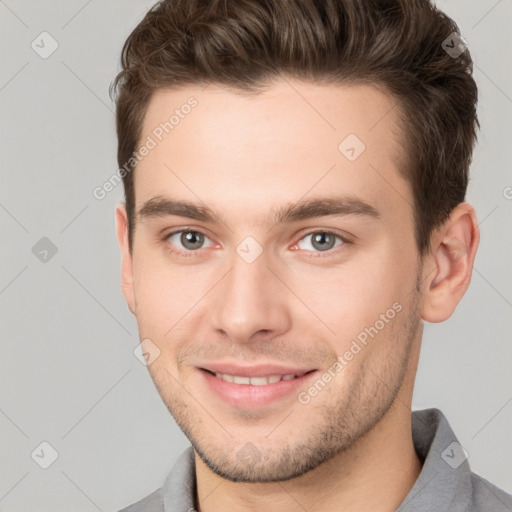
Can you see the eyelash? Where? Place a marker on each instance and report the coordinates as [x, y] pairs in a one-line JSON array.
[[330, 252]]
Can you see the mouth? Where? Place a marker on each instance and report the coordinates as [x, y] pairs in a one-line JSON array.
[[256, 387]]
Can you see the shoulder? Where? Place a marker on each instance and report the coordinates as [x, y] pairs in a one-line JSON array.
[[487, 496], [152, 503]]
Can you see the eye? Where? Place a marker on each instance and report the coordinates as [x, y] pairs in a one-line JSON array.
[[186, 242], [322, 241], [188, 239]]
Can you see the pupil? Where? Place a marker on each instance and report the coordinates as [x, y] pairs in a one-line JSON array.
[[321, 238], [191, 238]]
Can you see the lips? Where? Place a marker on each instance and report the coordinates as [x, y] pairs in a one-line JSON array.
[[252, 387]]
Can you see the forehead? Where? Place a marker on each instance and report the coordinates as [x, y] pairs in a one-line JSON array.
[[239, 151]]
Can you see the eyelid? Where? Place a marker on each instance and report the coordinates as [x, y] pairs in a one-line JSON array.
[[346, 237]]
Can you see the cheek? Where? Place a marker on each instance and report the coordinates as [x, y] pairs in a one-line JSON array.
[[350, 297], [163, 295], [362, 305]]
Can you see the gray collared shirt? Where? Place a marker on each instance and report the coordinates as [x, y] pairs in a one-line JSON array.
[[446, 482]]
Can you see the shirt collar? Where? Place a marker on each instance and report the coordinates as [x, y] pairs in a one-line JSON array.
[[444, 483], [179, 488]]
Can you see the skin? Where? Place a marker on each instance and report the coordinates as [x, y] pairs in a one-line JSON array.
[[350, 447]]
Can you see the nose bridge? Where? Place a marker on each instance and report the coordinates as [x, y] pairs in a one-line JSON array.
[[250, 298]]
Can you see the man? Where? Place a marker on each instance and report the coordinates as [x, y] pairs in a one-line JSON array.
[[295, 174]]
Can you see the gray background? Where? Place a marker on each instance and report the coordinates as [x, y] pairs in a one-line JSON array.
[[68, 373]]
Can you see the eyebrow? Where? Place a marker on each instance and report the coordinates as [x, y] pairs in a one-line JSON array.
[[308, 209]]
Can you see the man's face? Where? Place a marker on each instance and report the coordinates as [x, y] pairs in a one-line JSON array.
[[255, 296]]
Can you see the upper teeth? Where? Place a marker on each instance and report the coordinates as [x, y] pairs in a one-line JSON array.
[[255, 381]]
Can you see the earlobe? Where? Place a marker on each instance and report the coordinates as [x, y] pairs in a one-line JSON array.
[[127, 286], [453, 251]]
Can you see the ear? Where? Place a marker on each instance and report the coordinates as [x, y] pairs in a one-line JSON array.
[[126, 257], [450, 264]]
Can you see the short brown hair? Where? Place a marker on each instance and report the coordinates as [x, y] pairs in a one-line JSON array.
[[245, 44]]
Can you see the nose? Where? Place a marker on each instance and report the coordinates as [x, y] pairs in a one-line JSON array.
[[251, 302]]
